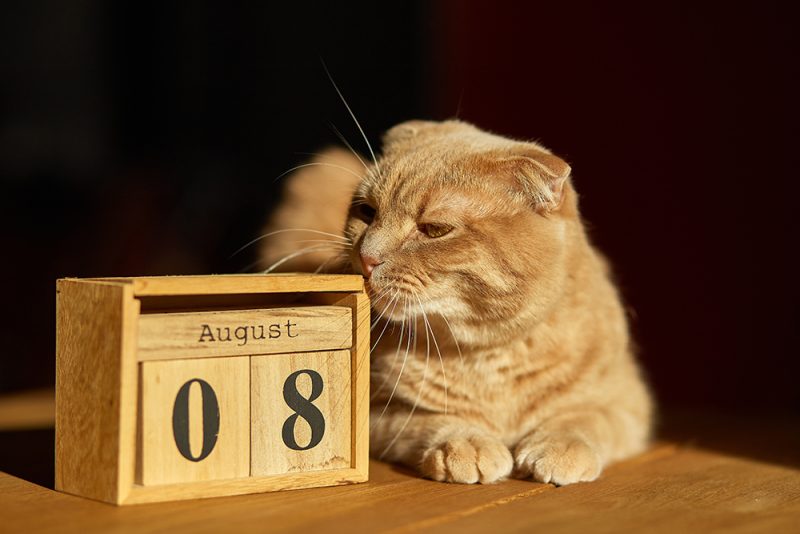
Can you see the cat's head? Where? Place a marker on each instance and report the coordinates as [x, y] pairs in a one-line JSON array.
[[459, 223]]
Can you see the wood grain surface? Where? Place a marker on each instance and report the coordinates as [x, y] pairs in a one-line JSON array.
[[164, 336], [360, 385], [148, 286], [671, 488], [161, 461], [269, 453], [96, 381], [115, 432]]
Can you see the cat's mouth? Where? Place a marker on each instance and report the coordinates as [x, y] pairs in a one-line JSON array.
[[395, 301], [385, 301]]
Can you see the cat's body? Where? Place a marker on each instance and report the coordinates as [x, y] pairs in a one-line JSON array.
[[508, 352]]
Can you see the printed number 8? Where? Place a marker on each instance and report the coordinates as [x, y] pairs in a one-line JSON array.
[[304, 408]]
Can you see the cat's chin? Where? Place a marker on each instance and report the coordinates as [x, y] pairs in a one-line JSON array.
[[389, 304], [392, 304], [401, 306]]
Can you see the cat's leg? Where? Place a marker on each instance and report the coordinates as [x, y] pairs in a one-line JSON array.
[[442, 447], [575, 445]]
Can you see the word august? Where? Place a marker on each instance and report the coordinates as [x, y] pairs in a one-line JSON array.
[[242, 334]]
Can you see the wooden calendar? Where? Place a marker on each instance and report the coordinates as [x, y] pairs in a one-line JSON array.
[[185, 387]]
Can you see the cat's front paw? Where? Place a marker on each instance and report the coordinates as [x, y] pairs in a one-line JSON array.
[[468, 460], [560, 460]]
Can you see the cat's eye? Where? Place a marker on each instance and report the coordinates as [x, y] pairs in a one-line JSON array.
[[365, 212], [435, 229]]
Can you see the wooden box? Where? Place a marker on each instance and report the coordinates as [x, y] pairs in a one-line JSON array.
[[185, 387]]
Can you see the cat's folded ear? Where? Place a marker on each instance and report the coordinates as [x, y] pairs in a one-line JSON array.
[[540, 175]]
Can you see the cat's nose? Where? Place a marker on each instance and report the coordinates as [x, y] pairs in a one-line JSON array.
[[368, 264]]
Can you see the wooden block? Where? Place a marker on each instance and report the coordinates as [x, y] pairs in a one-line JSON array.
[[301, 412], [260, 331], [360, 372], [148, 286], [95, 389], [195, 420], [116, 396]]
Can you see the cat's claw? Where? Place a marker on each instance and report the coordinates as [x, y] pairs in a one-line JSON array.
[[556, 460], [468, 460]]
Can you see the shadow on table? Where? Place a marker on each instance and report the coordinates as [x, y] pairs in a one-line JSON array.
[[29, 455], [773, 439]]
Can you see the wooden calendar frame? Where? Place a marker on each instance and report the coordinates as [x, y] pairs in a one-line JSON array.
[[97, 377]]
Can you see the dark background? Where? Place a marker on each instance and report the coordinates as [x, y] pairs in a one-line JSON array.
[[144, 138]]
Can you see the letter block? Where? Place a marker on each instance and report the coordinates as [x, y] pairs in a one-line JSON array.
[[186, 387]]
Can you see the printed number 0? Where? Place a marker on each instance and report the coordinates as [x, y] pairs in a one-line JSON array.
[[304, 408], [180, 420]]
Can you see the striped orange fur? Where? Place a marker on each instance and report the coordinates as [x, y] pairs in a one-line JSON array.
[[508, 352]]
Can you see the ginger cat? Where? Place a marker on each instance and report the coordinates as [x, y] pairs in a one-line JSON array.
[[503, 349]]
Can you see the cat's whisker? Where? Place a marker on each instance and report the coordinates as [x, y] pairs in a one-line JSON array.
[[374, 304], [322, 157], [316, 164], [416, 401], [377, 320], [455, 339], [284, 230], [300, 252], [246, 268], [374, 297], [340, 248], [344, 140], [441, 360], [326, 262], [322, 266], [393, 303], [332, 242], [352, 115], [249, 266], [397, 353]]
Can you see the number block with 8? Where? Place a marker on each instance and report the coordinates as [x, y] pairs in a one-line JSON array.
[[301, 412]]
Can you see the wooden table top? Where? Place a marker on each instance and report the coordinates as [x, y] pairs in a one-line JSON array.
[[670, 488]]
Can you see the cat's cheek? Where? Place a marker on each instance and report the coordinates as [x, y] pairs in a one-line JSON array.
[[448, 306]]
